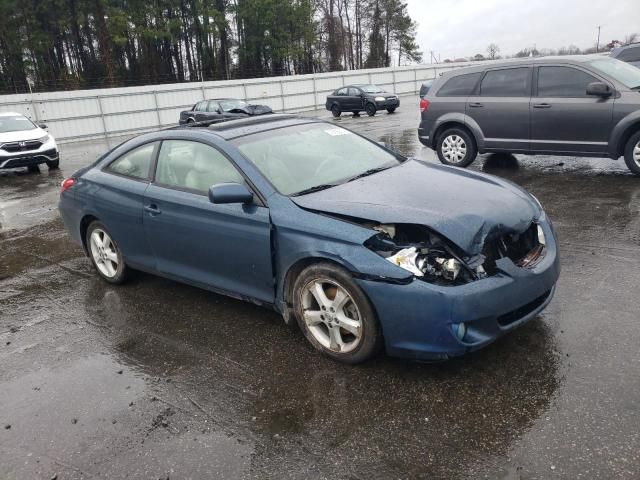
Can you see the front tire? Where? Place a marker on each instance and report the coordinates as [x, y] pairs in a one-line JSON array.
[[632, 153], [371, 109], [391, 110], [54, 164], [335, 111], [335, 315], [456, 147], [105, 254]]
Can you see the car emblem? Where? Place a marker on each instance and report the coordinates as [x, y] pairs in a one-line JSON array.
[[22, 144]]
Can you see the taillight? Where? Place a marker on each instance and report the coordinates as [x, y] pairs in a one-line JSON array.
[[66, 184], [424, 104]]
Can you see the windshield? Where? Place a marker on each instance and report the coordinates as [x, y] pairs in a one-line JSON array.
[[626, 74], [228, 105], [303, 157], [372, 89], [15, 124]]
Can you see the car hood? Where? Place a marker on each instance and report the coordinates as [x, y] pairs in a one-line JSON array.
[[253, 110], [463, 206], [383, 94], [22, 135]]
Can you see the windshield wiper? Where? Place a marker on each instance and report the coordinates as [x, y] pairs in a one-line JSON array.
[[317, 188], [371, 171]]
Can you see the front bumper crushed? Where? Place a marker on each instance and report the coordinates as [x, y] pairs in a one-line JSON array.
[[419, 319]]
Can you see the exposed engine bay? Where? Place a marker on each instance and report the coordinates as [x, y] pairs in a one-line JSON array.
[[431, 258]]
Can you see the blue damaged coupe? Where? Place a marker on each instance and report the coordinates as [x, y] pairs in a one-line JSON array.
[[359, 246]]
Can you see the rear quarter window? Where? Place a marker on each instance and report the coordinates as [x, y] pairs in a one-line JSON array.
[[460, 85]]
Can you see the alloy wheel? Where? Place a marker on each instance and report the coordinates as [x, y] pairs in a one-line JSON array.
[[454, 149], [636, 154], [331, 315], [104, 253]]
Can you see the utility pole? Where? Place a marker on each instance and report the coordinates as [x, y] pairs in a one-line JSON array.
[[598, 41]]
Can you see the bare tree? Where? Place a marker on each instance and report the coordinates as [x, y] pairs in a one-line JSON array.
[[631, 38], [493, 51]]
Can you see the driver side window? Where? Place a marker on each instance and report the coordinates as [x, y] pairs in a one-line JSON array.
[[342, 92], [193, 166], [213, 107]]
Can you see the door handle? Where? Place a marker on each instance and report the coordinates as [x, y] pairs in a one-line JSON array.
[[541, 105], [152, 209], [476, 105]]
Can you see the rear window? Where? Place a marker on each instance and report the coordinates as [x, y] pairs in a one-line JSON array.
[[459, 86], [510, 82], [629, 54]]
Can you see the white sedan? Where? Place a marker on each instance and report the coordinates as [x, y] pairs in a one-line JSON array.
[[25, 144]]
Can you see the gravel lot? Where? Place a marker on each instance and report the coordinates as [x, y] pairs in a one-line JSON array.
[[155, 379]]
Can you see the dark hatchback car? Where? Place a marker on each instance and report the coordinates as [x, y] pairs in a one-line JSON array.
[[628, 53], [359, 98], [357, 244], [221, 109], [577, 106]]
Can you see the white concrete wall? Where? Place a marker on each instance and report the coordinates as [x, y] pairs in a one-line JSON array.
[[84, 114]]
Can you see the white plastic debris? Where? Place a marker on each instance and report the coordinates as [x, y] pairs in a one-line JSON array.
[[407, 258]]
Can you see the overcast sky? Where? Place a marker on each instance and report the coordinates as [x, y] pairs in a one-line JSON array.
[[462, 28]]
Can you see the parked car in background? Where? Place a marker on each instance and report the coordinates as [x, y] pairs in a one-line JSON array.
[[361, 98], [577, 106], [628, 53], [357, 244], [221, 109], [25, 144], [425, 87]]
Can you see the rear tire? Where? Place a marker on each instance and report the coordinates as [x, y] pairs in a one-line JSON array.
[[335, 315], [391, 110], [456, 147], [53, 165], [632, 153], [33, 168], [335, 111], [105, 254], [371, 109]]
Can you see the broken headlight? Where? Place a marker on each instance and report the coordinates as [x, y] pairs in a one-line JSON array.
[[425, 254]]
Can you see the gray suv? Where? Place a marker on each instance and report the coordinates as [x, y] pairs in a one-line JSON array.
[[580, 106]]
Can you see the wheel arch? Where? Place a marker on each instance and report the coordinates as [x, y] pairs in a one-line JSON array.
[[623, 135], [84, 226]]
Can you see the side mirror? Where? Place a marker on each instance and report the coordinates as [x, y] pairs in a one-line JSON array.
[[599, 89], [230, 193], [42, 125]]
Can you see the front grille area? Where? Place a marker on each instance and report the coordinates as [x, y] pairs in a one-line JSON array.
[[523, 249], [518, 313], [26, 159], [17, 147]]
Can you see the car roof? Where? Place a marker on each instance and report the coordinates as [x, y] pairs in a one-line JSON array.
[[517, 62], [248, 126]]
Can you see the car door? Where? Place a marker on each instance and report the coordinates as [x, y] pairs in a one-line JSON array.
[[563, 117], [200, 113], [227, 247], [355, 99], [500, 108], [342, 97], [213, 110], [116, 197]]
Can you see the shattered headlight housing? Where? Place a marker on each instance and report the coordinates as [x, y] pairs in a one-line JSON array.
[[425, 254]]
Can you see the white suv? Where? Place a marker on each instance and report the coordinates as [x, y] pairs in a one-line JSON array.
[[25, 144]]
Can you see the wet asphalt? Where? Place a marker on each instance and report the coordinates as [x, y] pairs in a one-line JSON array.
[[157, 380]]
